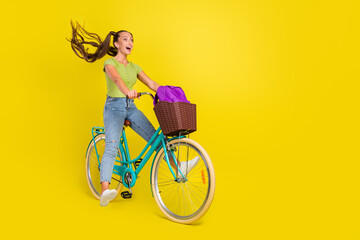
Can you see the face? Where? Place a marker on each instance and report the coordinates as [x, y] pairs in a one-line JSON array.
[[125, 43]]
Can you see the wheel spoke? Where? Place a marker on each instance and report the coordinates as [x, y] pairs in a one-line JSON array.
[[183, 200], [93, 169]]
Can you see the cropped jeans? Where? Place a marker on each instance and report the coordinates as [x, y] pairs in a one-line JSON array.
[[116, 110]]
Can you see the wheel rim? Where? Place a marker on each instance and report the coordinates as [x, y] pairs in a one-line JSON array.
[[93, 167], [183, 200]]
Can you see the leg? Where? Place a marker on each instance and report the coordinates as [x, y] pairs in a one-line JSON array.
[[114, 117], [142, 126], [104, 186], [140, 123]]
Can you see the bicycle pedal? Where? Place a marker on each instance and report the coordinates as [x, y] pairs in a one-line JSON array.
[[126, 195]]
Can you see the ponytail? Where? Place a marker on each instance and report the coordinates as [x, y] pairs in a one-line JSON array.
[[103, 47]]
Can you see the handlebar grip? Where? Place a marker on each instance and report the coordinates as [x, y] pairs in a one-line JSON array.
[[138, 95], [142, 93]]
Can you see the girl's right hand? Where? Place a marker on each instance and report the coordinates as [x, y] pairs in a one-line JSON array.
[[132, 94]]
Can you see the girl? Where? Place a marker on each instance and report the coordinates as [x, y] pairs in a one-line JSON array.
[[121, 75]]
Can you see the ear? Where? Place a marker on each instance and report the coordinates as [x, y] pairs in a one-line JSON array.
[[116, 45]]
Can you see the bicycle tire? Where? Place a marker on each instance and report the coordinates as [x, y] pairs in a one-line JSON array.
[[162, 180], [92, 167]]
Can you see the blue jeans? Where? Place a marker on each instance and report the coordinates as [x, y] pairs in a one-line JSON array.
[[116, 110]]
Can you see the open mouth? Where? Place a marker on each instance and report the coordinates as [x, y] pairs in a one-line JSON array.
[[128, 48]]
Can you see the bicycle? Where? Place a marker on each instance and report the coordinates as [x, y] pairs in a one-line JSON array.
[[183, 197]]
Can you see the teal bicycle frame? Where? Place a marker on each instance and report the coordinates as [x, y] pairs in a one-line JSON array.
[[157, 141]]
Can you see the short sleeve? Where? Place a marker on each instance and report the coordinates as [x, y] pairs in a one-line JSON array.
[[138, 69], [109, 61]]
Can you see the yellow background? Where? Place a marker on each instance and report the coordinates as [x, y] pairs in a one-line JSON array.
[[276, 85]]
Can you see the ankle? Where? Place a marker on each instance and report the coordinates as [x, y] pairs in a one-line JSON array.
[[103, 190], [104, 186]]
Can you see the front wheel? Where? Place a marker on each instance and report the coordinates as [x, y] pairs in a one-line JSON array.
[[184, 200]]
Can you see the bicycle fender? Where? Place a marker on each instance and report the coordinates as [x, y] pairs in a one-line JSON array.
[[177, 137], [92, 139], [87, 149]]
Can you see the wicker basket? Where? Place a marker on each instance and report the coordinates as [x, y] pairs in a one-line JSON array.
[[176, 117]]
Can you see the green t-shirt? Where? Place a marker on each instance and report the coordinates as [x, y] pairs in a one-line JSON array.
[[128, 74]]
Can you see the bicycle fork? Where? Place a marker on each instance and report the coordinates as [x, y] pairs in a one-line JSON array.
[[166, 149]]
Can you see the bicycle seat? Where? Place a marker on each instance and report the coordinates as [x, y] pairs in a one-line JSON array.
[[127, 123]]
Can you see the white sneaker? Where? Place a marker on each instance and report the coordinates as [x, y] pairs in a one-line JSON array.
[[190, 165], [107, 196]]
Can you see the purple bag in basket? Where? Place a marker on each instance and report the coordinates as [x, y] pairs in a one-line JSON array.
[[170, 94]]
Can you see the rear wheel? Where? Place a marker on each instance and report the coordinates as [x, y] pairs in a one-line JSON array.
[[184, 200], [93, 167]]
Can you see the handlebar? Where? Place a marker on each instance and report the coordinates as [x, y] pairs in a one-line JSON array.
[[142, 93]]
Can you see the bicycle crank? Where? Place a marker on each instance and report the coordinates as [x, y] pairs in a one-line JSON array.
[[129, 178], [127, 182]]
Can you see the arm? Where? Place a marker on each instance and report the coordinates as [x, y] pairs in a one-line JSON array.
[[147, 81], [115, 77]]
